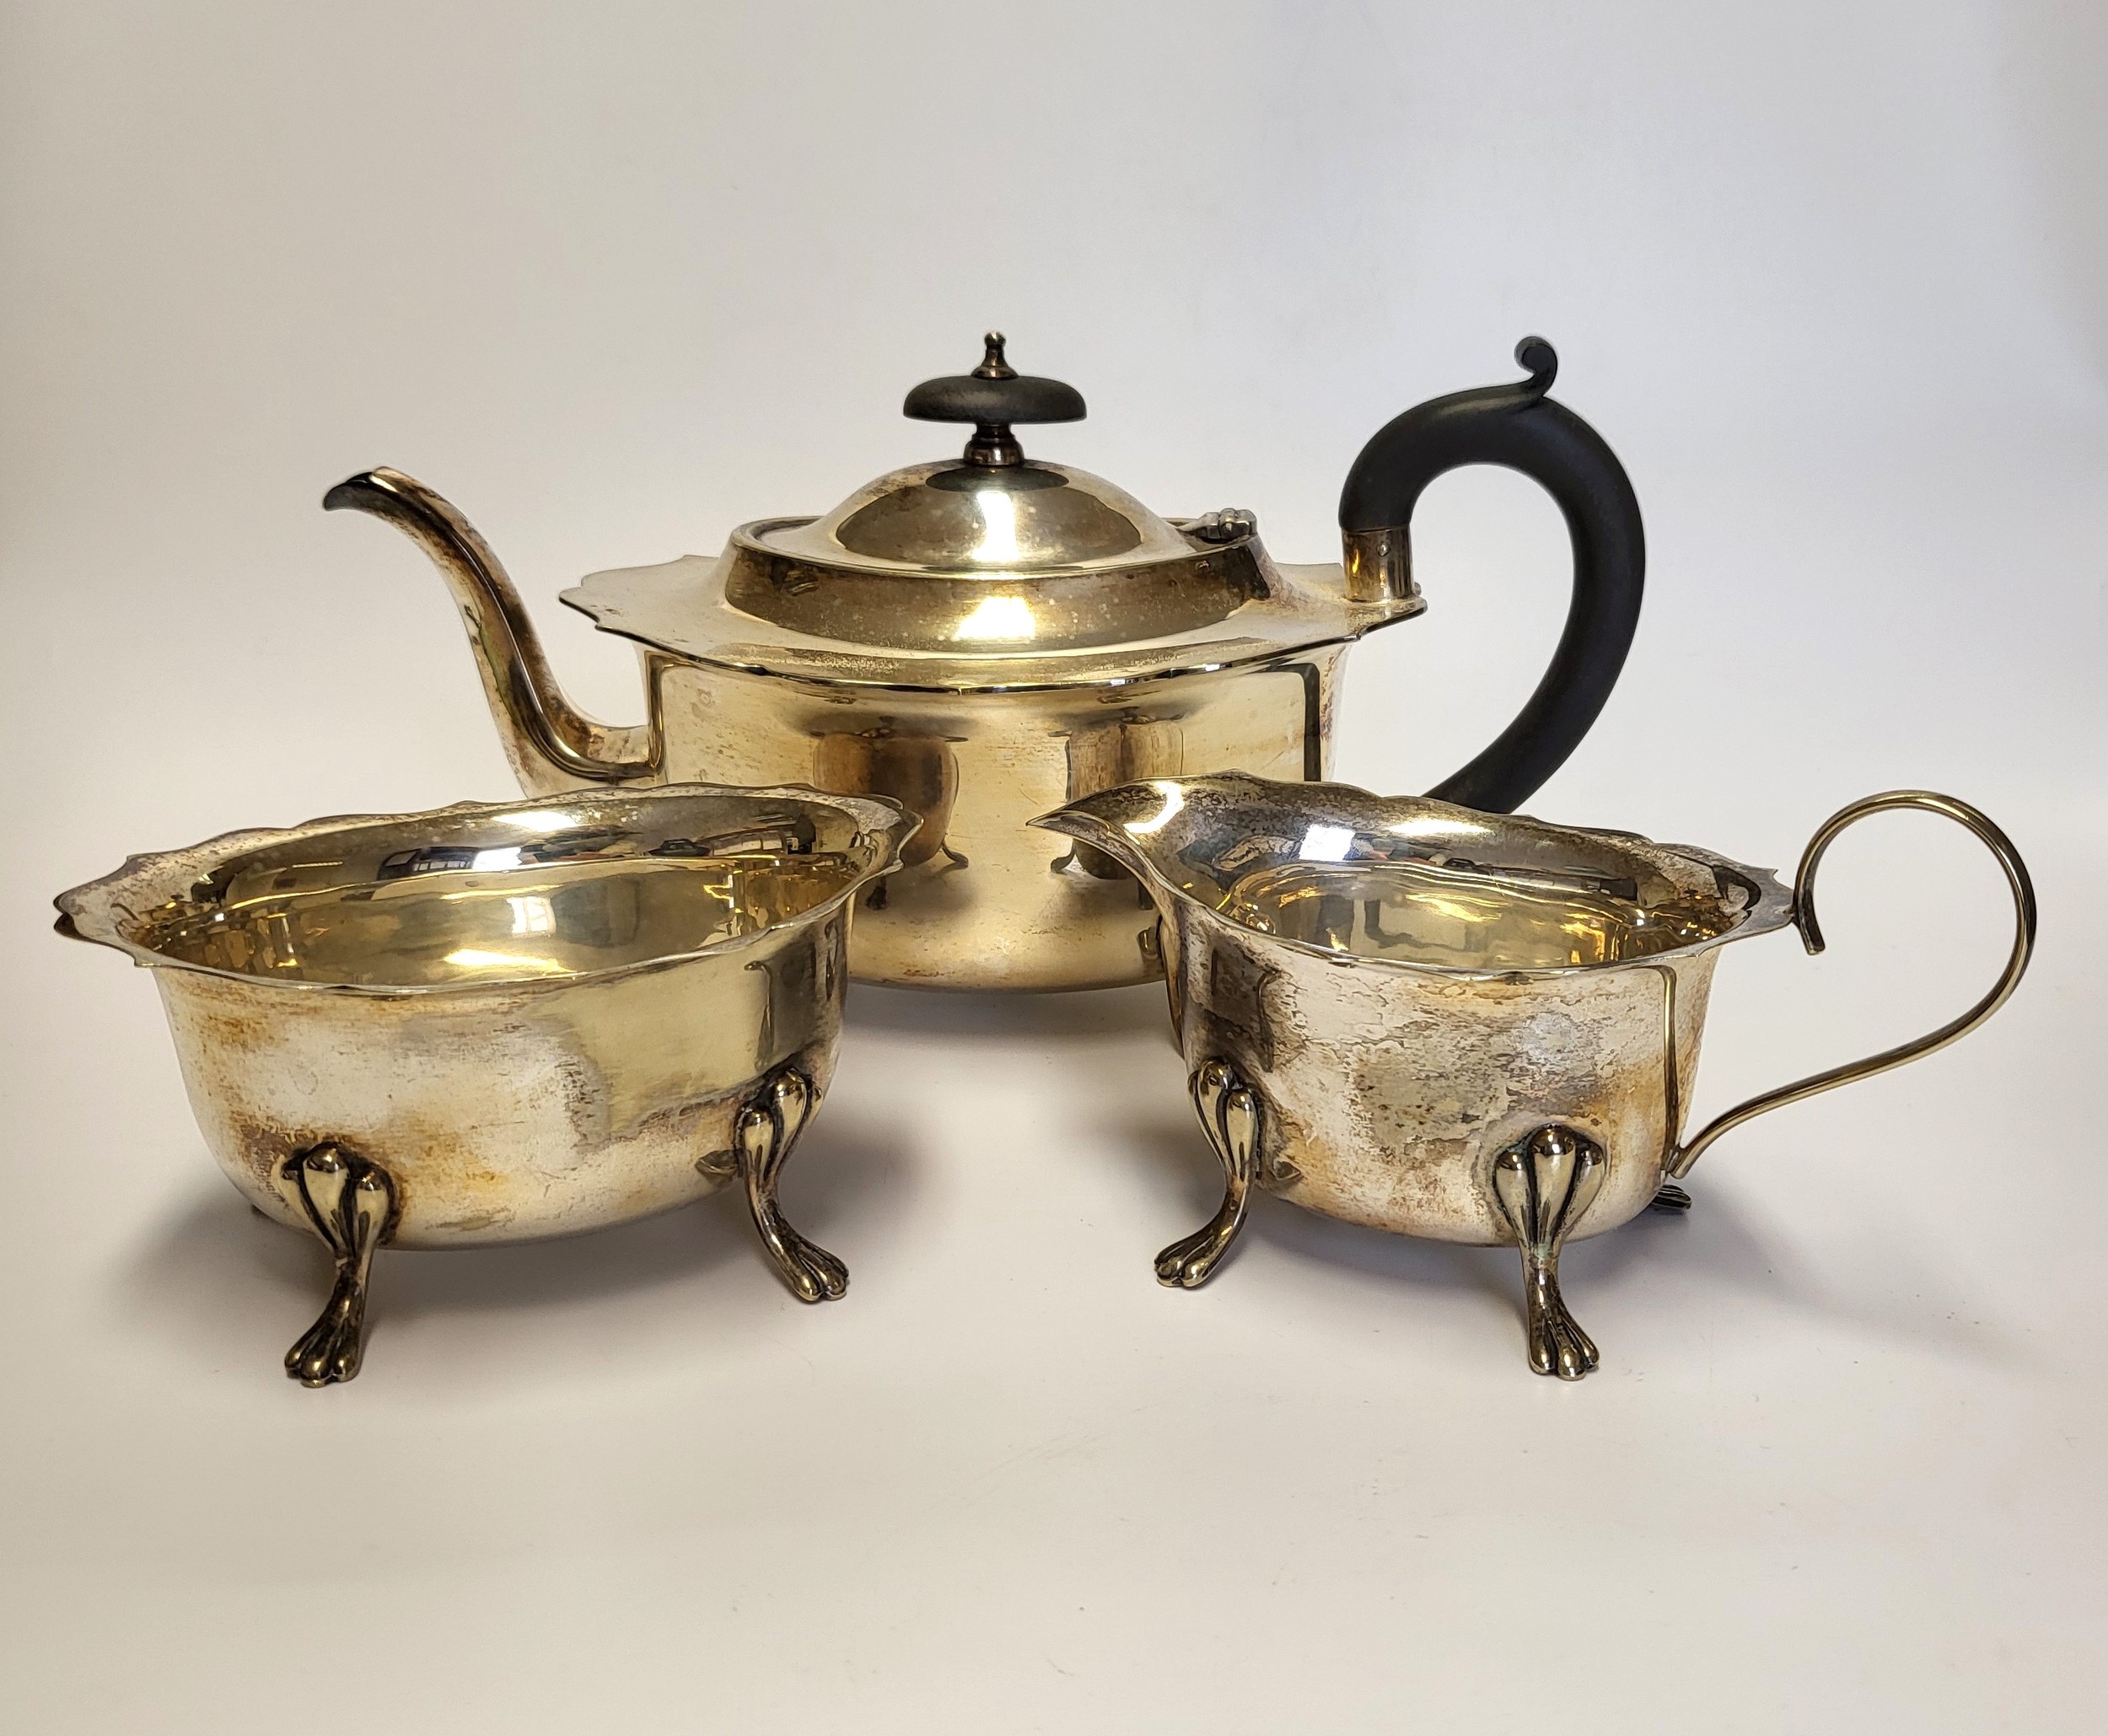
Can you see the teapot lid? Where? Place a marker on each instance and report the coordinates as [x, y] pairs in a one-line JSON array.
[[991, 549], [961, 573]]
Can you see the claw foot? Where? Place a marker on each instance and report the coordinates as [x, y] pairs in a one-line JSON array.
[[768, 1128], [350, 1201], [1543, 1185], [1229, 1113]]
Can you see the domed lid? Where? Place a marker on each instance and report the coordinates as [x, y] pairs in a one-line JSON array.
[[964, 517], [991, 569], [991, 548], [990, 510]]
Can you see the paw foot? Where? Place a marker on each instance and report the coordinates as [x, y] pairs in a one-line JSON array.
[[329, 1351], [767, 1131], [1189, 1262], [1543, 1185], [813, 1273], [1230, 1117], [351, 1202], [1670, 1198], [1558, 1345]]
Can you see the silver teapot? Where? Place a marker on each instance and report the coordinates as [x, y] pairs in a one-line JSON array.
[[984, 637]]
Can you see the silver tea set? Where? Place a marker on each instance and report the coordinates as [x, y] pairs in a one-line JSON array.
[[869, 736]]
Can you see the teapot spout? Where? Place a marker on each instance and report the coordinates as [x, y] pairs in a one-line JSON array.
[[552, 745]]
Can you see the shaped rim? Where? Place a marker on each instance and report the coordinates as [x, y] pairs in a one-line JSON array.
[[110, 911], [1172, 831]]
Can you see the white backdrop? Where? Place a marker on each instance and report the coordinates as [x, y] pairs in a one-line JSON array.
[[1833, 280]]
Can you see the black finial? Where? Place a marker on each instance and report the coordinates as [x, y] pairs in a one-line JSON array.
[[992, 397]]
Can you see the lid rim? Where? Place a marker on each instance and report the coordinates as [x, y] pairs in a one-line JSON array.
[[754, 536], [1082, 668]]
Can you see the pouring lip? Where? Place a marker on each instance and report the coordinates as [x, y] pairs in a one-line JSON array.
[[98, 912], [1771, 904]]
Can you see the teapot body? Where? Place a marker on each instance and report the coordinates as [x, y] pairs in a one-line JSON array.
[[987, 638], [981, 901]]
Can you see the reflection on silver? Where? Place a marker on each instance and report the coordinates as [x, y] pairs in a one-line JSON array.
[[768, 1129], [971, 639], [1543, 1185], [1477, 1028], [349, 1201], [1007, 610], [1230, 1115], [501, 1021]]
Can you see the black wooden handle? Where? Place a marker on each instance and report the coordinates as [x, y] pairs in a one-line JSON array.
[[1519, 426]]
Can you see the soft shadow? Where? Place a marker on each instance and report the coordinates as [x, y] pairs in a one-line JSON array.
[[1187, 1183], [222, 1282], [1179, 1169], [214, 1273], [951, 1014], [841, 1184], [1714, 1238], [1403, 1262], [1719, 1244], [1723, 1241]]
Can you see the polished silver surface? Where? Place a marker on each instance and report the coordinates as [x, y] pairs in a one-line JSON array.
[[352, 1204], [768, 1130], [755, 611], [2024, 922], [1544, 1185], [1471, 1027], [954, 517], [1230, 1115], [501, 1021], [978, 638], [972, 742], [969, 637]]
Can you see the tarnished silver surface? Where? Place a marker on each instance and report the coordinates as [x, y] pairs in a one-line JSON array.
[[1439, 1014], [526, 1018]]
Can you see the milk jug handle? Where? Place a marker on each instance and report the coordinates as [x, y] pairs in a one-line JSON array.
[[1519, 428], [2016, 965]]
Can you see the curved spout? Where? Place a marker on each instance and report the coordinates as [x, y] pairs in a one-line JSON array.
[[552, 745]]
